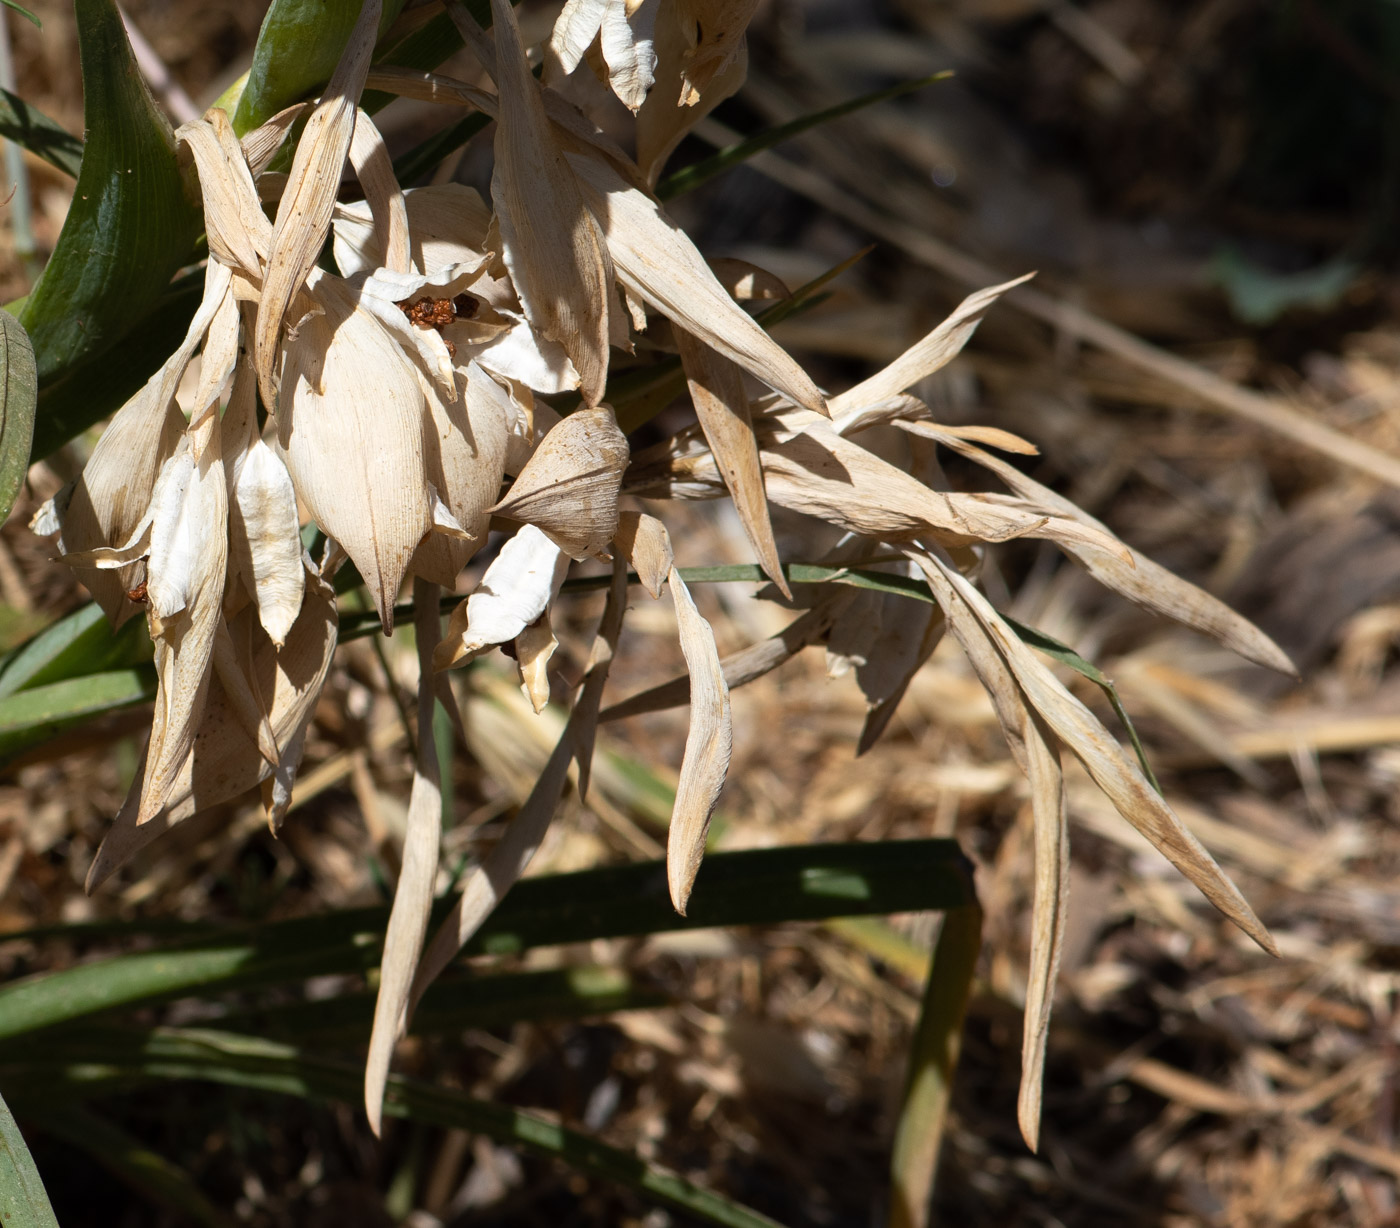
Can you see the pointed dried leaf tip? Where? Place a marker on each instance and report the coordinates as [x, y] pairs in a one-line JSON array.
[[1080, 731], [656, 260], [707, 747], [304, 212], [413, 897], [645, 544], [569, 487], [925, 357], [551, 244]]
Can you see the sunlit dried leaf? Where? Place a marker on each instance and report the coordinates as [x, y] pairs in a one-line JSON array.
[[224, 762], [375, 171], [569, 487], [645, 544], [708, 743], [1103, 758], [714, 32], [551, 243], [1138, 578], [238, 231], [304, 212], [507, 861], [722, 407], [656, 260], [534, 647], [925, 357], [516, 590], [413, 896], [350, 430]]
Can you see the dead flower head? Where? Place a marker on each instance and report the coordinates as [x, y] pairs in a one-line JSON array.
[[401, 392]]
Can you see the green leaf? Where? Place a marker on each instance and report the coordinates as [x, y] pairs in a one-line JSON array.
[[87, 392], [753, 887], [22, 11], [452, 1006], [130, 225], [129, 1160], [23, 1200], [298, 47], [933, 1059], [111, 1056], [81, 643], [29, 128], [18, 391], [31, 717], [691, 177]]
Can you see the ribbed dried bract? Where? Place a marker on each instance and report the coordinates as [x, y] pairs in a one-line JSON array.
[[568, 488]]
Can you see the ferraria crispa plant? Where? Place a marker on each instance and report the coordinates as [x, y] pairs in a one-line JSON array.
[[400, 404]]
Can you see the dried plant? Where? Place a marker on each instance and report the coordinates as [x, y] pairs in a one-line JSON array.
[[452, 378]]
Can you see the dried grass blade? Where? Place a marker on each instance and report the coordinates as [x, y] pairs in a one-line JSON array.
[[1102, 757], [413, 897], [1048, 914], [1143, 582], [304, 212], [708, 744], [925, 357], [722, 406], [488, 883]]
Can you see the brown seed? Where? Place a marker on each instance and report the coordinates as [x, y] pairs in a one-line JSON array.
[[137, 594]]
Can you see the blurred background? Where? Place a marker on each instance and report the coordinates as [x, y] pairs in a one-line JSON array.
[[1210, 364]]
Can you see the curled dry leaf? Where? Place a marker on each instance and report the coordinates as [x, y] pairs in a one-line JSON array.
[[722, 407], [708, 744], [645, 544], [515, 591], [304, 212], [656, 261], [225, 762], [569, 487], [714, 33], [534, 647], [550, 242], [413, 895]]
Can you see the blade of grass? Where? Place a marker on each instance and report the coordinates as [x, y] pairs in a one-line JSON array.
[[691, 177], [81, 643], [24, 1203], [753, 887], [35, 716], [453, 1006], [18, 393], [933, 1060], [249, 1062], [31, 129]]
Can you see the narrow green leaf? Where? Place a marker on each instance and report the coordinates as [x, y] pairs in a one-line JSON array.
[[298, 47], [81, 643], [453, 1006], [23, 1201], [87, 392], [130, 225], [244, 1061], [129, 1160], [753, 887], [18, 393], [1066, 655], [933, 1059], [417, 162], [22, 11], [29, 128], [691, 177], [31, 717]]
